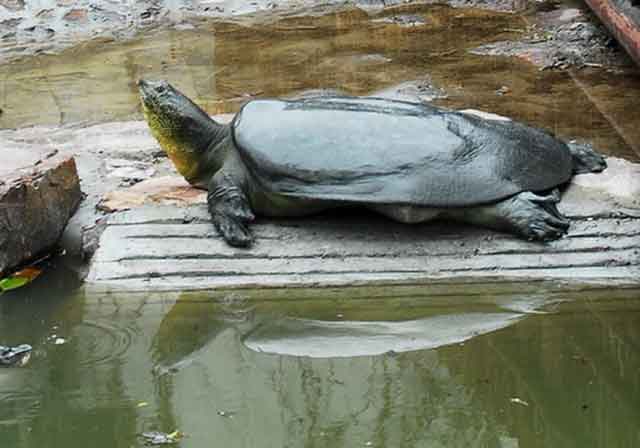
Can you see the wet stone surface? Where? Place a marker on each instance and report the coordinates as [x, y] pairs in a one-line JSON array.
[[407, 20], [564, 38], [48, 26]]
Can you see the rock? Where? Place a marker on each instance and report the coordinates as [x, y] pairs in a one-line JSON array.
[[12, 5], [419, 90], [39, 191], [15, 356], [314, 93], [129, 171], [562, 38], [355, 61], [45, 13], [485, 115], [503, 90], [76, 15], [173, 190], [404, 20], [10, 24]]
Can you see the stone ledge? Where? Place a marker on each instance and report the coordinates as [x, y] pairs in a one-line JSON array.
[[163, 240]]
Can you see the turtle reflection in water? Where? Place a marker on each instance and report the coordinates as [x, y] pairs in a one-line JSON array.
[[16, 356], [411, 162]]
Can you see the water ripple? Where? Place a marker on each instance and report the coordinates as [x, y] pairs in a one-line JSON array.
[[102, 342], [20, 399]]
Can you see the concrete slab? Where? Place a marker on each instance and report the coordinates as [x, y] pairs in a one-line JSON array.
[[156, 246]]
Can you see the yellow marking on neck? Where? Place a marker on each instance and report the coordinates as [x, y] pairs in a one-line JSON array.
[[185, 161]]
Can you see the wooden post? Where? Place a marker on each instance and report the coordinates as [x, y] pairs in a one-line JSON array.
[[622, 17]]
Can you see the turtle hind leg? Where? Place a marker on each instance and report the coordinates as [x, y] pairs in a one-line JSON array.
[[585, 158], [526, 214], [230, 211]]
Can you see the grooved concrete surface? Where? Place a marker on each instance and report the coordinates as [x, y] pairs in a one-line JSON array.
[[163, 247]]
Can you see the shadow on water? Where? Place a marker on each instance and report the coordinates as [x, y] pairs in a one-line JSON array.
[[561, 369], [222, 65]]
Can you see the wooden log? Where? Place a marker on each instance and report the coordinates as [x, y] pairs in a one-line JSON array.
[[622, 17]]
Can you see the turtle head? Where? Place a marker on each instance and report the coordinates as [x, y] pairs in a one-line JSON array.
[[185, 132]]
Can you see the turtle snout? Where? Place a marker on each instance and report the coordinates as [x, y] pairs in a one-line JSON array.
[[144, 89]]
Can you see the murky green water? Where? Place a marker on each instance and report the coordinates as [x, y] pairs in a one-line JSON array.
[[221, 65], [502, 373]]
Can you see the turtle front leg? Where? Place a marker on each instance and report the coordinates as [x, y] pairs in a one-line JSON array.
[[230, 210]]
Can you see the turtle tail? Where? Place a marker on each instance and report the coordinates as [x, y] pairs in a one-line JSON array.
[[585, 158]]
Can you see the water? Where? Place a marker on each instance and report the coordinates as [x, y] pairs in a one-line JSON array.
[[546, 367], [221, 65]]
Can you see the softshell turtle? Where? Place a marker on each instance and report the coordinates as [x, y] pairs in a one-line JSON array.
[[412, 162]]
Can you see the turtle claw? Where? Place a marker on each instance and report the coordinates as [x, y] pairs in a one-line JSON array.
[[238, 208], [231, 218], [544, 232], [536, 217], [234, 231], [230, 212]]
